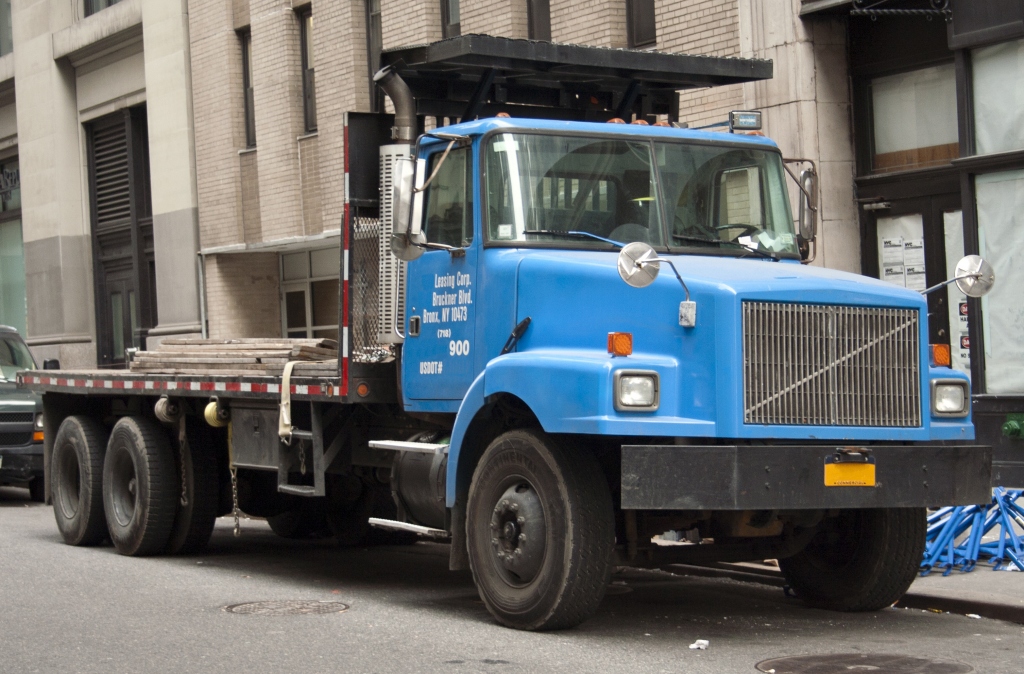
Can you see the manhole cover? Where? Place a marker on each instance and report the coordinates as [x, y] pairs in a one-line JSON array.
[[855, 663], [295, 607]]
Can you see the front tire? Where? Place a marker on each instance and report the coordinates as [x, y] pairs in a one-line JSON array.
[[862, 560], [76, 474], [140, 487], [540, 532]]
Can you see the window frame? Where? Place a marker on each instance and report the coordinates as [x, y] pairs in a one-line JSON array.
[[305, 16], [306, 286], [469, 203], [248, 90], [640, 13], [448, 28], [90, 7], [374, 47]]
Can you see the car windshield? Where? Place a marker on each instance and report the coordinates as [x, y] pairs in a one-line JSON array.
[[730, 196], [14, 356], [571, 190], [574, 191]]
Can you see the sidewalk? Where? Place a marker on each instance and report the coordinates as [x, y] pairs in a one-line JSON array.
[[990, 594]]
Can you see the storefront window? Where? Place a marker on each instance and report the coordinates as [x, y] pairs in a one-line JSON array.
[[998, 97], [914, 119], [12, 276], [1000, 199]]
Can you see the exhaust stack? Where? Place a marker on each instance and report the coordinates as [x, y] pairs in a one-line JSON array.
[[404, 130]]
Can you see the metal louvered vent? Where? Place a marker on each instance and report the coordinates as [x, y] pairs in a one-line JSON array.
[[113, 192], [392, 270], [827, 365]]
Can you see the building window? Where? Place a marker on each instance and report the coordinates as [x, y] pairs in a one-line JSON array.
[[998, 84], [310, 292], [538, 16], [914, 121], [6, 33], [640, 23], [93, 6], [374, 44], [13, 305], [451, 20], [308, 80], [249, 103]]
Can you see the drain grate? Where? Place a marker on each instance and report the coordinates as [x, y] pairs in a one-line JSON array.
[[291, 607], [862, 662]]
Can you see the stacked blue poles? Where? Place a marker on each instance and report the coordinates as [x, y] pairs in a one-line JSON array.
[[955, 534]]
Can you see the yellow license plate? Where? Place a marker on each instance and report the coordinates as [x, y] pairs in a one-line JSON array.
[[849, 475]]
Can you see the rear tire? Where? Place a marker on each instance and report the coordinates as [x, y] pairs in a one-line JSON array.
[[140, 487], [540, 532], [76, 474], [862, 560], [194, 521]]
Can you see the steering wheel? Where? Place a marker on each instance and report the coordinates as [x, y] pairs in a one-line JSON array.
[[745, 229]]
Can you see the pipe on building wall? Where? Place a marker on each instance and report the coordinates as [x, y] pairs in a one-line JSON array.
[[404, 130]]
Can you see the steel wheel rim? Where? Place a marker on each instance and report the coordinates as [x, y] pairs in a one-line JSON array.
[[518, 532], [124, 492]]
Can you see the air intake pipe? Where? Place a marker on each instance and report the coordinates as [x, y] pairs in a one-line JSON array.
[[404, 130]]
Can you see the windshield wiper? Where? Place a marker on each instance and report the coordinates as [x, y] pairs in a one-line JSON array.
[[720, 242], [572, 234]]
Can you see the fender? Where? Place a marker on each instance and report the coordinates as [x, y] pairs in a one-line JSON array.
[[570, 391]]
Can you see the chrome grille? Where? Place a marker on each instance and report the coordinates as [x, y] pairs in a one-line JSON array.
[[830, 365]]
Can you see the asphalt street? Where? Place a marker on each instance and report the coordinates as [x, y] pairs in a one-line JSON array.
[[67, 609]]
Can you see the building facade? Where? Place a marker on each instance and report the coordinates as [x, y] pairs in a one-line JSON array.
[[98, 185]]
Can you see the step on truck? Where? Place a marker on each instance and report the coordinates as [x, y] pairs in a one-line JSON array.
[[574, 335]]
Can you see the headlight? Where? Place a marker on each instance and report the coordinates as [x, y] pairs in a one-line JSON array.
[[636, 391], [949, 398], [39, 422]]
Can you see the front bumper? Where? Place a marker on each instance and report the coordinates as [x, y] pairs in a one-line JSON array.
[[791, 477], [21, 464]]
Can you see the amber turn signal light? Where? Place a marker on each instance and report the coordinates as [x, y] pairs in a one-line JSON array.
[[941, 355], [620, 343], [37, 436]]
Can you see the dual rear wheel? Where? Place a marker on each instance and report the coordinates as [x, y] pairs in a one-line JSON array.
[[131, 485]]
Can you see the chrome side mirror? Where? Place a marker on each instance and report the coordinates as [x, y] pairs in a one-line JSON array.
[[808, 214], [974, 276], [406, 230], [638, 264]]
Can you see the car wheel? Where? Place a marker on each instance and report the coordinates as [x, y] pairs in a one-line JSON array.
[[540, 531], [140, 487], [861, 560], [76, 474]]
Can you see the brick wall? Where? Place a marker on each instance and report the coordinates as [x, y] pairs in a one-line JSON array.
[[409, 22], [277, 84], [250, 179], [598, 23], [506, 18], [309, 176], [242, 295], [219, 120]]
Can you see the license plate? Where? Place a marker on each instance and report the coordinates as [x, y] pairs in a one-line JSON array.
[[850, 474]]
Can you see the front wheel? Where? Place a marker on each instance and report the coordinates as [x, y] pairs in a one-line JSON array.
[[540, 531], [861, 560]]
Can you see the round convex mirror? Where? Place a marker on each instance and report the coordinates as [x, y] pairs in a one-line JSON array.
[[638, 264], [974, 276], [404, 249]]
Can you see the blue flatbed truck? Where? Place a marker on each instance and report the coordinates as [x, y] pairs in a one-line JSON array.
[[560, 339]]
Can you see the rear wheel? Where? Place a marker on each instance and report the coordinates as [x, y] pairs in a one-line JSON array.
[[197, 512], [76, 474], [140, 487], [862, 560], [540, 532]]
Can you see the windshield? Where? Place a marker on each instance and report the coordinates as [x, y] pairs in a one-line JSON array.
[[540, 188], [716, 195], [14, 356], [576, 190]]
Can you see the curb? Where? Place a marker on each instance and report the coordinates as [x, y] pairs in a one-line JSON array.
[[914, 600]]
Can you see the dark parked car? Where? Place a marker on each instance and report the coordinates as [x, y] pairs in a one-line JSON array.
[[21, 419]]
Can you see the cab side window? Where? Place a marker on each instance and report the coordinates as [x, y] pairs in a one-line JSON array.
[[448, 204]]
